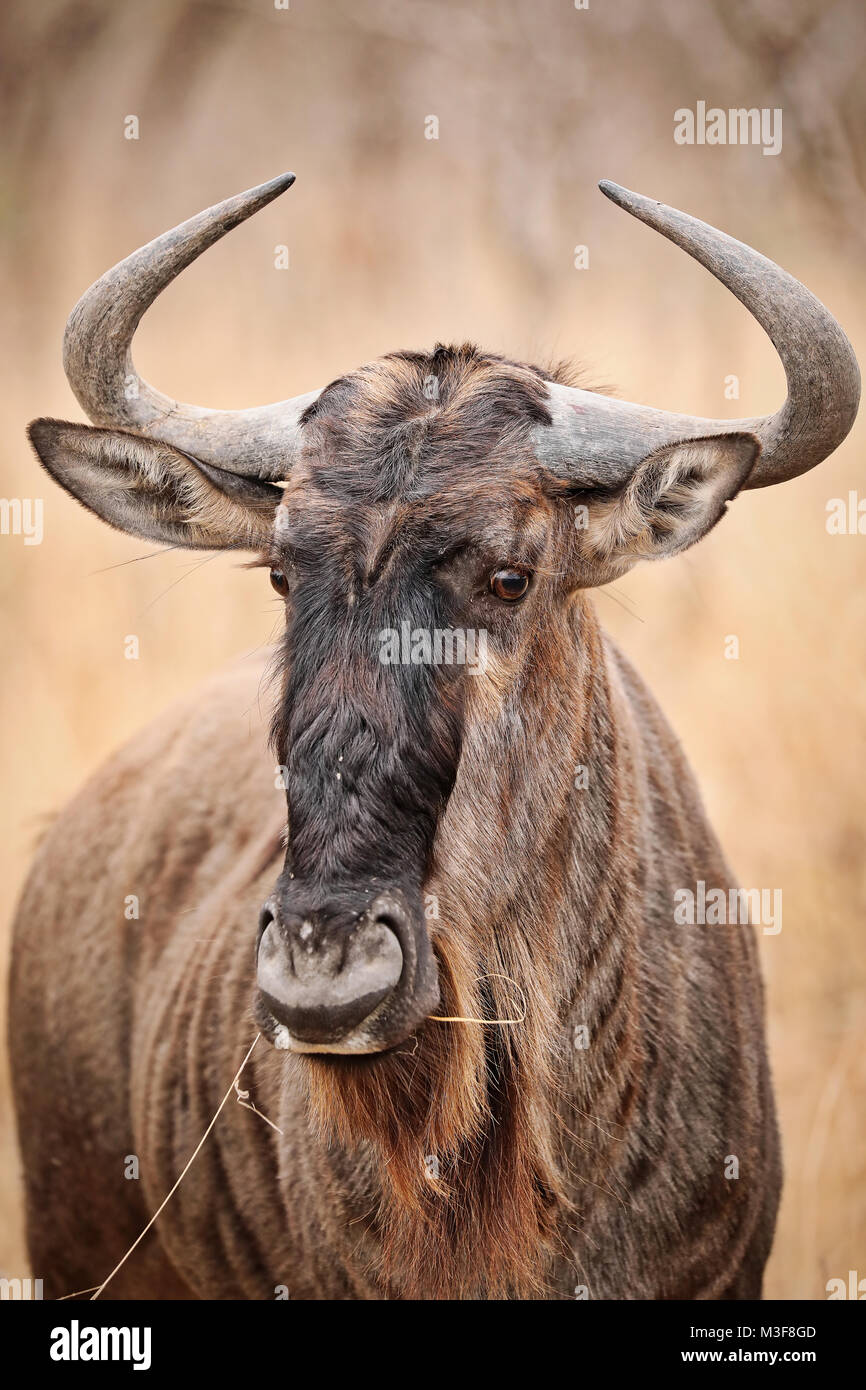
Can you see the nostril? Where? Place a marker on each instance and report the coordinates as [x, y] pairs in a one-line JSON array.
[[271, 951], [266, 916], [388, 913], [322, 994], [388, 921]]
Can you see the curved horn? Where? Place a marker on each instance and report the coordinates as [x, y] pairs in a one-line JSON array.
[[98, 361], [603, 439]]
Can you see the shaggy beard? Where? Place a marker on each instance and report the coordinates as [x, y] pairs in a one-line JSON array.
[[479, 1100]]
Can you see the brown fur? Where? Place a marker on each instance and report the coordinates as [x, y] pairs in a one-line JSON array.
[[558, 1166]]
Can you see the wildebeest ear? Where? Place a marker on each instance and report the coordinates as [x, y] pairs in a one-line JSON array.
[[152, 490], [673, 498]]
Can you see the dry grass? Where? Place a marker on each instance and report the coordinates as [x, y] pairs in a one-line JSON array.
[[399, 241]]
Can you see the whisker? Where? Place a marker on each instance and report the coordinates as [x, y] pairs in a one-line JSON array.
[[166, 550], [174, 584]]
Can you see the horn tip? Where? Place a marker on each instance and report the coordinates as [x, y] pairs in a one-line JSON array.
[[636, 203], [245, 204], [279, 184], [262, 194], [617, 194]]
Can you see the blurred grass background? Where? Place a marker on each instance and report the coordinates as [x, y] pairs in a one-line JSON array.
[[395, 241]]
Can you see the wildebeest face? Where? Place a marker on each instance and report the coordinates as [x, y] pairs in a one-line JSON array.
[[410, 545], [429, 558], [414, 482]]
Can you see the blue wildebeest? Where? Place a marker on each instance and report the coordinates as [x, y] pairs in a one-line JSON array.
[[500, 1067]]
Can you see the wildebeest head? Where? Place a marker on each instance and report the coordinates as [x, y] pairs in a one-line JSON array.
[[432, 522], [413, 537]]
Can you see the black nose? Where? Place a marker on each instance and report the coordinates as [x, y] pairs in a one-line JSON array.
[[320, 983]]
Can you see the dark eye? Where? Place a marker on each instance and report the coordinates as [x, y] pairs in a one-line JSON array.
[[509, 585], [279, 582]]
